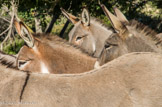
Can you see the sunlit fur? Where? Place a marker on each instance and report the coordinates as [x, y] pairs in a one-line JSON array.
[[56, 55]]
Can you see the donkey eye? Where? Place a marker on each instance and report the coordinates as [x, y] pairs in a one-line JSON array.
[[78, 38], [81, 37], [107, 46], [21, 63]]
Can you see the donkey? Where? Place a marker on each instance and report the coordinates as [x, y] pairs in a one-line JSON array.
[[88, 32], [131, 36], [50, 54], [133, 80]]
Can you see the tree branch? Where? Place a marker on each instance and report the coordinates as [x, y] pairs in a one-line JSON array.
[[10, 28]]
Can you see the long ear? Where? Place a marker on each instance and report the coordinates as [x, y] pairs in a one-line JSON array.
[[24, 33], [69, 16], [120, 16], [119, 26], [85, 17]]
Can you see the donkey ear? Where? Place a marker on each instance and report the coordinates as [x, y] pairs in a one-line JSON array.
[[24, 33], [120, 16], [85, 17], [69, 16], [116, 23]]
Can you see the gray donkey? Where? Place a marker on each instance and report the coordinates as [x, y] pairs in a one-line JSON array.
[[88, 32], [131, 36]]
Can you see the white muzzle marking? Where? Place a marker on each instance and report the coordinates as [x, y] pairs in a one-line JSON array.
[[96, 65], [44, 69], [94, 47]]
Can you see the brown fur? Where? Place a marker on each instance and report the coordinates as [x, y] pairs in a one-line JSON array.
[[58, 56], [54, 39], [133, 80]]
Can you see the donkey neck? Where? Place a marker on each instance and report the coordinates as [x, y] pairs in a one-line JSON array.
[[69, 59], [143, 39], [142, 44], [74, 61]]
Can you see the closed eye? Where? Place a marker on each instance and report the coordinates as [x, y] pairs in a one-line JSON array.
[[22, 63], [108, 45], [80, 37]]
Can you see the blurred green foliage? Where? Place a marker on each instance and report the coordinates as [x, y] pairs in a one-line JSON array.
[[13, 47]]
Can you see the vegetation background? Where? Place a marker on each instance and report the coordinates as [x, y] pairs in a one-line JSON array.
[[46, 13]]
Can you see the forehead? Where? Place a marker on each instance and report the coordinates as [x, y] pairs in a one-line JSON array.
[[26, 52], [78, 29], [130, 29], [114, 36]]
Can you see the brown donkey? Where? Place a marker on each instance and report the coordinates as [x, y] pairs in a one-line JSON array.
[[131, 36], [50, 54], [88, 33]]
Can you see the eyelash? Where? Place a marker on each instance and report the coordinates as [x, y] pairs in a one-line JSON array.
[[22, 62], [78, 38], [110, 45]]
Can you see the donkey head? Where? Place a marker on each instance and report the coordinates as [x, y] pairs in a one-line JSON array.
[[81, 33], [88, 32], [50, 54], [125, 40], [30, 57]]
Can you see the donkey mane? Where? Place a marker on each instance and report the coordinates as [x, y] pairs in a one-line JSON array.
[[6, 62], [52, 40], [146, 31]]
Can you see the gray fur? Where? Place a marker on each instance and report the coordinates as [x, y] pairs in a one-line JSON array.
[[141, 39], [8, 60], [94, 36]]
